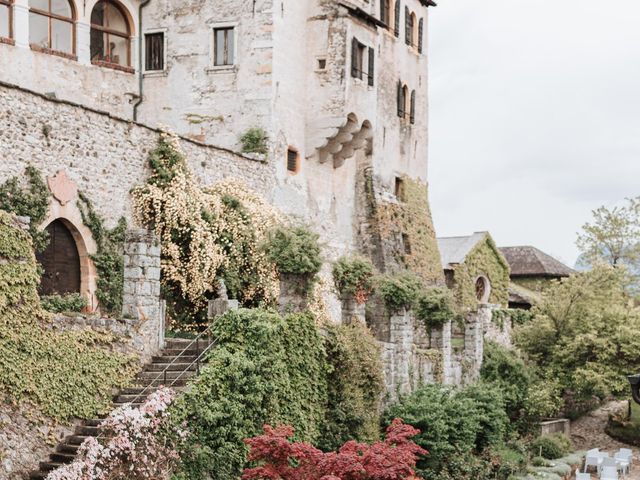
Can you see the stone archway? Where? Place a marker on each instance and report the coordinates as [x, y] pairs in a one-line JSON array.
[[60, 262]]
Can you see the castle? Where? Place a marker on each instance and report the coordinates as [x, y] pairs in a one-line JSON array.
[[338, 87]]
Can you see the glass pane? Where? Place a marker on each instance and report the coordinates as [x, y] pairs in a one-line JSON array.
[[39, 4], [62, 36], [97, 14], [4, 21], [118, 50], [219, 55], [115, 20], [154, 51], [38, 30], [230, 46], [61, 7]]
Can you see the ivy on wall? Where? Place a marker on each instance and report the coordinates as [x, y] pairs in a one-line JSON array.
[[65, 375], [109, 257], [411, 218], [483, 260], [28, 198]]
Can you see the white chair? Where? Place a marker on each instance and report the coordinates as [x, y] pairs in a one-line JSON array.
[[623, 461], [609, 473], [593, 459], [583, 476], [608, 462]]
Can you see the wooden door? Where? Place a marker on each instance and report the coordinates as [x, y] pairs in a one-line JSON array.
[[60, 262]]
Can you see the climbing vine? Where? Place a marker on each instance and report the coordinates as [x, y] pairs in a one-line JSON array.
[[28, 198], [207, 233], [66, 374], [109, 257], [486, 260]]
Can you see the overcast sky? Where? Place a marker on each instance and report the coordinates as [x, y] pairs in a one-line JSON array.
[[535, 116]]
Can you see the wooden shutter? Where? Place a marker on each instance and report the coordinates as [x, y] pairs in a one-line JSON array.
[[396, 13], [407, 26], [400, 100], [354, 58], [384, 11], [371, 66], [412, 114], [420, 35], [154, 51]]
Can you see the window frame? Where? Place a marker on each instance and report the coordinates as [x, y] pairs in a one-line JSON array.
[[292, 149], [50, 16], [212, 46], [155, 31], [109, 31], [9, 5]]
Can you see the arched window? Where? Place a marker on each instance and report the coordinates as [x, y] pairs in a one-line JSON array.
[[52, 25], [396, 18], [385, 11], [403, 99], [414, 30], [5, 19], [110, 34]]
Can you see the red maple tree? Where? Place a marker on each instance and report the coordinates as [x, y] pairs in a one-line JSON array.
[[394, 458]]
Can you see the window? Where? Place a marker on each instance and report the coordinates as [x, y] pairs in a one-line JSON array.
[[224, 46], [385, 11], [110, 34], [399, 189], [293, 160], [421, 35], [154, 52], [396, 19], [322, 63], [358, 54], [51, 25], [483, 289], [403, 98], [5, 18], [408, 26]]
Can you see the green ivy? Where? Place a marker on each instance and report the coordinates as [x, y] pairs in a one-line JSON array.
[[399, 291], [65, 375], [353, 276], [30, 200], [255, 140], [109, 258], [515, 315], [73, 302], [294, 250], [435, 307]]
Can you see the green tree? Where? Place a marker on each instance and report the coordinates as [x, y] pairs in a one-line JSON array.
[[613, 236]]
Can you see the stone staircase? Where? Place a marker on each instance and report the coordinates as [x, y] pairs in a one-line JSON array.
[[173, 366]]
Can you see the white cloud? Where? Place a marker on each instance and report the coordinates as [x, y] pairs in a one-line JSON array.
[[535, 116]]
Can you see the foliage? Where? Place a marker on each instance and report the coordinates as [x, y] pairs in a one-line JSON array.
[[39, 365], [255, 140], [484, 260], [354, 276], [394, 458], [411, 217], [453, 423], [109, 257], [206, 234], [294, 250], [264, 369], [435, 307], [355, 385], [514, 315], [28, 200], [551, 446], [399, 291], [133, 447], [585, 334], [613, 236], [72, 302]]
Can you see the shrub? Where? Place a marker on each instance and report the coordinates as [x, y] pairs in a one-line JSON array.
[[354, 276], [136, 447], [255, 140], [551, 446], [491, 410], [72, 302], [435, 307], [294, 250], [399, 291], [506, 461], [355, 385], [392, 459]]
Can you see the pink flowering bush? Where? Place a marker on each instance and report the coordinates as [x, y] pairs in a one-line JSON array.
[[135, 445]]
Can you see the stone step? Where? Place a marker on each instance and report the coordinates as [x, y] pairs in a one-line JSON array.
[[175, 352], [171, 367], [48, 466], [67, 448], [173, 343], [171, 358], [76, 439], [38, 475], [173, 383], [62, 457], [148, 376], [87, 430], [94, 422]]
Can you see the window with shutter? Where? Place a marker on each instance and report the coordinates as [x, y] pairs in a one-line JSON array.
[[358, 52], [371, 66], [224, 46], [154, 52], [420, 35], [401, 100], [396, 19], [412, 114], [408, 27], [385, 11], [292, 161]]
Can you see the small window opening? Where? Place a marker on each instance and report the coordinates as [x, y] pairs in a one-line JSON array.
[[406, 244], [322, 64], [154, 51], [224, 46], [293, 161], [399, 189]]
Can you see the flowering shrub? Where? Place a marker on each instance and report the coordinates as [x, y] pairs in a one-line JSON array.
[[206, 233], [136, 447], [294, 250], [354, 276], [392, 459]]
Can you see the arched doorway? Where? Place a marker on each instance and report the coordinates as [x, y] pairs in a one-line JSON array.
[[60, 262]]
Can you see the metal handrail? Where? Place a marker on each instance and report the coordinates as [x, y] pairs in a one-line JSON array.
[[195, 362], [163, 373]]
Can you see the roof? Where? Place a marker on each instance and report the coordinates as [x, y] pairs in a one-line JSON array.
[[522, 295], [455, 249], [526, 261]]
